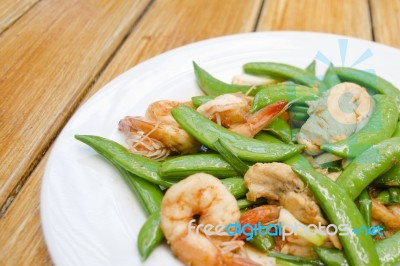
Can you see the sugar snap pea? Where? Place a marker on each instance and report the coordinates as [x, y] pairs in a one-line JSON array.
[[387, 249], [267, 137], [284, 71], [244, 203], [295, 131], [281, 129], [186, 165], [311, 67], [370, 81], [389, 179], [295, 259], [148, 194], [230, 157], [394, 194], [214, 87], [380, 126], [200, 100], [263, 243], [283, 92], [299, 109], [150, 235], [397, 131], [368, 165], [330, 78], [340, 209], [118, 154], [384, 197], [236, 186], [245, 148], [298, 116], [366, 206]]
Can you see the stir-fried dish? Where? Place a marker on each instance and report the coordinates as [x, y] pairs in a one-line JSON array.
[[277, 168]]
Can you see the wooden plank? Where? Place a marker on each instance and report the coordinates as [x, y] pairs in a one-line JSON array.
[[50, 57], [173, 23], [344, 17], [21, 236], [386, 21], [11, 10], [23, 240]]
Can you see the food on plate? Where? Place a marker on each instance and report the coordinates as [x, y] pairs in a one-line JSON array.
[[278, 168]]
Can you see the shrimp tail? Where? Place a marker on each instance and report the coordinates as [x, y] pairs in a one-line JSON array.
[[259, 120]]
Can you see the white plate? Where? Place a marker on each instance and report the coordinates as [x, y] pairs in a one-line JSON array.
[[89, 215]]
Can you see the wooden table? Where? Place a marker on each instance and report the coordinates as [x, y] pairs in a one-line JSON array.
[[56, 53]]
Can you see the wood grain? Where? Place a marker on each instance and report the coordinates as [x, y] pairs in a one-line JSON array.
[[344, 17], [173, 23], [11, 10], [386, 21], [53, 54], [21, 237]]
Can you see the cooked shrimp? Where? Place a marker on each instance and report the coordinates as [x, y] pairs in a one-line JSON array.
[[160, 111], [167, 135], [388, 216], [206, 196], [228, 109], [233, 111], [277, 181]]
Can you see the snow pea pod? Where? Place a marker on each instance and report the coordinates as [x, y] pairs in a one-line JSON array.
[[214, 87], [236, 186], [340, 209], [186, 165], [263, 243], [366, 206], [389, 179], [283, 92], [311, 67], [244, 203], [330, 78], [296, 116], [397, 131], [299, 109], [150, 235], [119, 155], [370, 81], [295, 259], [200, 100], [281, 129], [387, 249], [267, 137], [248, 149], [284, 71], [367, 166], [380, 126]]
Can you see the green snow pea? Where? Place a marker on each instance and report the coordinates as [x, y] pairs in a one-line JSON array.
[[295, 131], [340, 209], [281, 129], [267, 137], [380, 126], [150, 235], [200, 100], [299, 116], [384, 197], [119, 155], [244, 203], [245, 148], [389, 179], [263, 243], [283, 92], [236, 186], [370, 81], [368, 165], [388, 251], [397, 131], [390, 196], [284, 71], [214, 87], [366, 206], [330, 78], [186, 165], [295, 259], [299, 109], [311, 67]]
